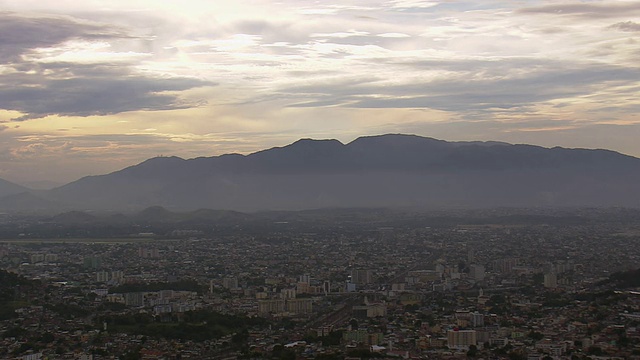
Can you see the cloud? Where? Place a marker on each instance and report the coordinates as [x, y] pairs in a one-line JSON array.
[[394, 35], [20, 35], [96, 94], [627, 26], [39, 150], [412, 4], [585, 10], [474, 86], [346, 34], [36, 85]]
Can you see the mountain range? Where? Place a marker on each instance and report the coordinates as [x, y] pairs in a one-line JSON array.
[[376, 171]]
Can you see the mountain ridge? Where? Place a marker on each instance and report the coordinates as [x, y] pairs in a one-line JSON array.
[[383, 170]]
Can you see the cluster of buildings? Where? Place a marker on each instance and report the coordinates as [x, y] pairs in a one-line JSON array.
[[494, 291]]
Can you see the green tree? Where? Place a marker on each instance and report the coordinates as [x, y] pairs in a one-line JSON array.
[[473, 351], [536, 336], [595, 350]]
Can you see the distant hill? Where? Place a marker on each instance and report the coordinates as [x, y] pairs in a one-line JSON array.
[[74, 217], [9, 188], [29, 201], [374, 171], [14, 197], [158, 214]]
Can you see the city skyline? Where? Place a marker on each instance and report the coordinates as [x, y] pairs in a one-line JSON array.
[[94, 87]]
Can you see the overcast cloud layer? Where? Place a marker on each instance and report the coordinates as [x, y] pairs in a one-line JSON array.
[[91, 87]]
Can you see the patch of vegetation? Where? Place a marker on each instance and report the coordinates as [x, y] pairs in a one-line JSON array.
[[194, 325], [67, 311], [626, 279], [9, 282], [10, 291]]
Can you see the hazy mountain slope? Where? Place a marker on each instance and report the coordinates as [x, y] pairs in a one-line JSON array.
[[386, 170], [9, 188], [30, 202], [14, 197]]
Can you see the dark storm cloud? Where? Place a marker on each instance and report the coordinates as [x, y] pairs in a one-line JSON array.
[[20, 35], [464, 92], [586, 10], [628, 26]]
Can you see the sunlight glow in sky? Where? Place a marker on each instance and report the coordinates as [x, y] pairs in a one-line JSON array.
[[94, 86]]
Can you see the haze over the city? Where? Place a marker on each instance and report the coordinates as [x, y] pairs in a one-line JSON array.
[[94, 86]]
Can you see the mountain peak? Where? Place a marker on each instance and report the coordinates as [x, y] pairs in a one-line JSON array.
[[162, 160], [390, 138], [304, 152], [309, 141], [156, 166], [314, 145], [396, 141]]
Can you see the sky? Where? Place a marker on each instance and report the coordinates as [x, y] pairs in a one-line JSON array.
[[90, 87]]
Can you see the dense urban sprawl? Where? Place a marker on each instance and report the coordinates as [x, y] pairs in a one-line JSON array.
[[516, 289]]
